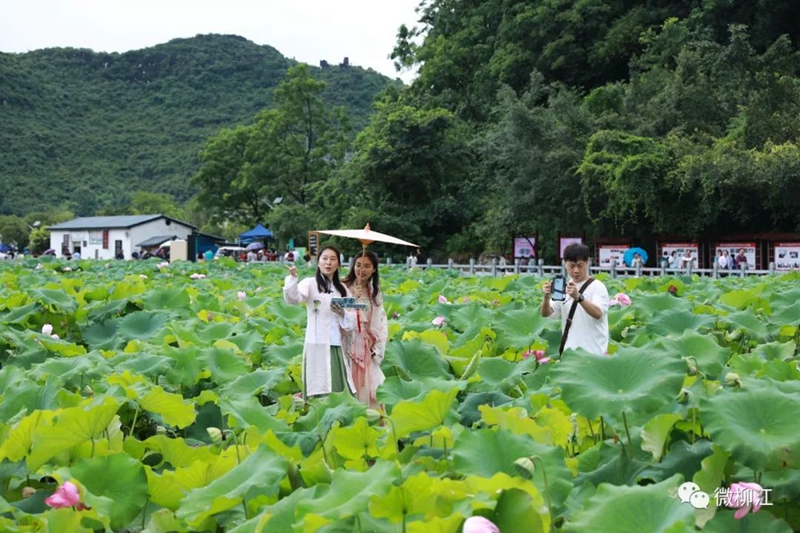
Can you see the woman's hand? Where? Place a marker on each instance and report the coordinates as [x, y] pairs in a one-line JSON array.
[[292, 271], [336, 308]]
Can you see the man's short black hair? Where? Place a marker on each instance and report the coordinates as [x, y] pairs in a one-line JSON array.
[[576, 252]]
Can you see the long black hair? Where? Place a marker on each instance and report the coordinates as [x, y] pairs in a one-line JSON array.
[[376, 282], [323, 285]]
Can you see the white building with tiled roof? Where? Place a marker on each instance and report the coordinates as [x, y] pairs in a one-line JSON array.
[[107, 237]]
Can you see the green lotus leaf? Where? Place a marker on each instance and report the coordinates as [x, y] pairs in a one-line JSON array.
[[349, 493], [656, 432], [632, 380], [283, 355], [249, 343], [757, 424], [414, 358], [144, 364], [64, 519], [62, 347], [358, 441], [394, 389], [501, 375], [710, 357], [674, 322], [73, 372], [103, 336], [449, 524], [277, 518], [176, 451], [777, 350], [260, 473], [612, 465], [516, 512], [20, 315], [172, 408], [141, 325], [163, 521], [55, 300], [169, 298], [485, 452], [118, 477], [788, 314], [244, 412], [651, 305], [253, 383], [20, 394], [413, 497], [101, 311], [223, 366], [432, 412], [469, 411], [761, 522], [471, 341], [294, 315], [463, 317], [747, 322], [74, 426], [519, 329], [652, 508], [339, 407]]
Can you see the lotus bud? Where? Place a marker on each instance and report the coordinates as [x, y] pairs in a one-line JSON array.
[[216, 435], [472, 367], [692, 368], [47, 329], [525, 467], [683, 396], [298, 402], [733, 335], [479, 524], [732, 380], [373, 416], [27, 492]]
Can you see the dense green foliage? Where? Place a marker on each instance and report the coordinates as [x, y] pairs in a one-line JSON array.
[[84, 131], [166, 395], [612, 118]]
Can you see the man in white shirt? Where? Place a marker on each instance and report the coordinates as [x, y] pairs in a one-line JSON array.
[[589, 327]]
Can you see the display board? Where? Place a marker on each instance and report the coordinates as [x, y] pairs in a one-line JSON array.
[[525, 247], [787, 255], [563, 242], [733, 249], [607, 252], [680, 249]]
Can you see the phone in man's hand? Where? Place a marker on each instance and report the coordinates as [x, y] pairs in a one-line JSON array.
[[559, 289]]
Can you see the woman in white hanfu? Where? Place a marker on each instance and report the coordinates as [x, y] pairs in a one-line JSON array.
[[325, 369], [365, 345]]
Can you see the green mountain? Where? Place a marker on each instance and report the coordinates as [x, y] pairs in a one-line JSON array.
[[76, 126]]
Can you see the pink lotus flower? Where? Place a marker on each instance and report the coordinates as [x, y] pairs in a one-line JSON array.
[[621, 300], [163, 264], [538, 354], [47, 329], [242, 295], [744, 496], [55, 336], [197, 276], [438, 321], [67, 495], [443, 300], [258, 289], [67, 269], [395, 315], [38, 266], [479, 524]]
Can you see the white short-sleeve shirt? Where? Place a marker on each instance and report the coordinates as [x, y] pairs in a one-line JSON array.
[[586, 332]]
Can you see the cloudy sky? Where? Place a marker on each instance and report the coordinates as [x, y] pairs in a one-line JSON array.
[[306, 30]]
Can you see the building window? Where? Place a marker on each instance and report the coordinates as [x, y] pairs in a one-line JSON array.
[[105, 239], [118, 249]]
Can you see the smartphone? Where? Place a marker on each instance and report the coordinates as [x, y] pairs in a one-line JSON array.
[[559, 289]]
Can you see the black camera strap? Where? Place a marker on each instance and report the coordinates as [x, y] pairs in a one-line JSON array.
[[572, 314]]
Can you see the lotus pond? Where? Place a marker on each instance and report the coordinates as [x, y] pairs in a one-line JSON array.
[[166, 396]]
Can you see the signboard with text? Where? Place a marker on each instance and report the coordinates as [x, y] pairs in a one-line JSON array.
[[525, 247], [680, 249], [787, 255], [733, 249], [607, 252]]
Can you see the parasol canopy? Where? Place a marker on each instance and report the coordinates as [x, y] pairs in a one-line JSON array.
[[367, 236], [629, 253]]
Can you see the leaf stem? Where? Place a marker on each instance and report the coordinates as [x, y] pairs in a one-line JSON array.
[[546, 488], [627, 431]]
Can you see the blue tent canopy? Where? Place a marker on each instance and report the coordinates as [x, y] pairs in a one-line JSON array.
[[259, 232], [5, 248]]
